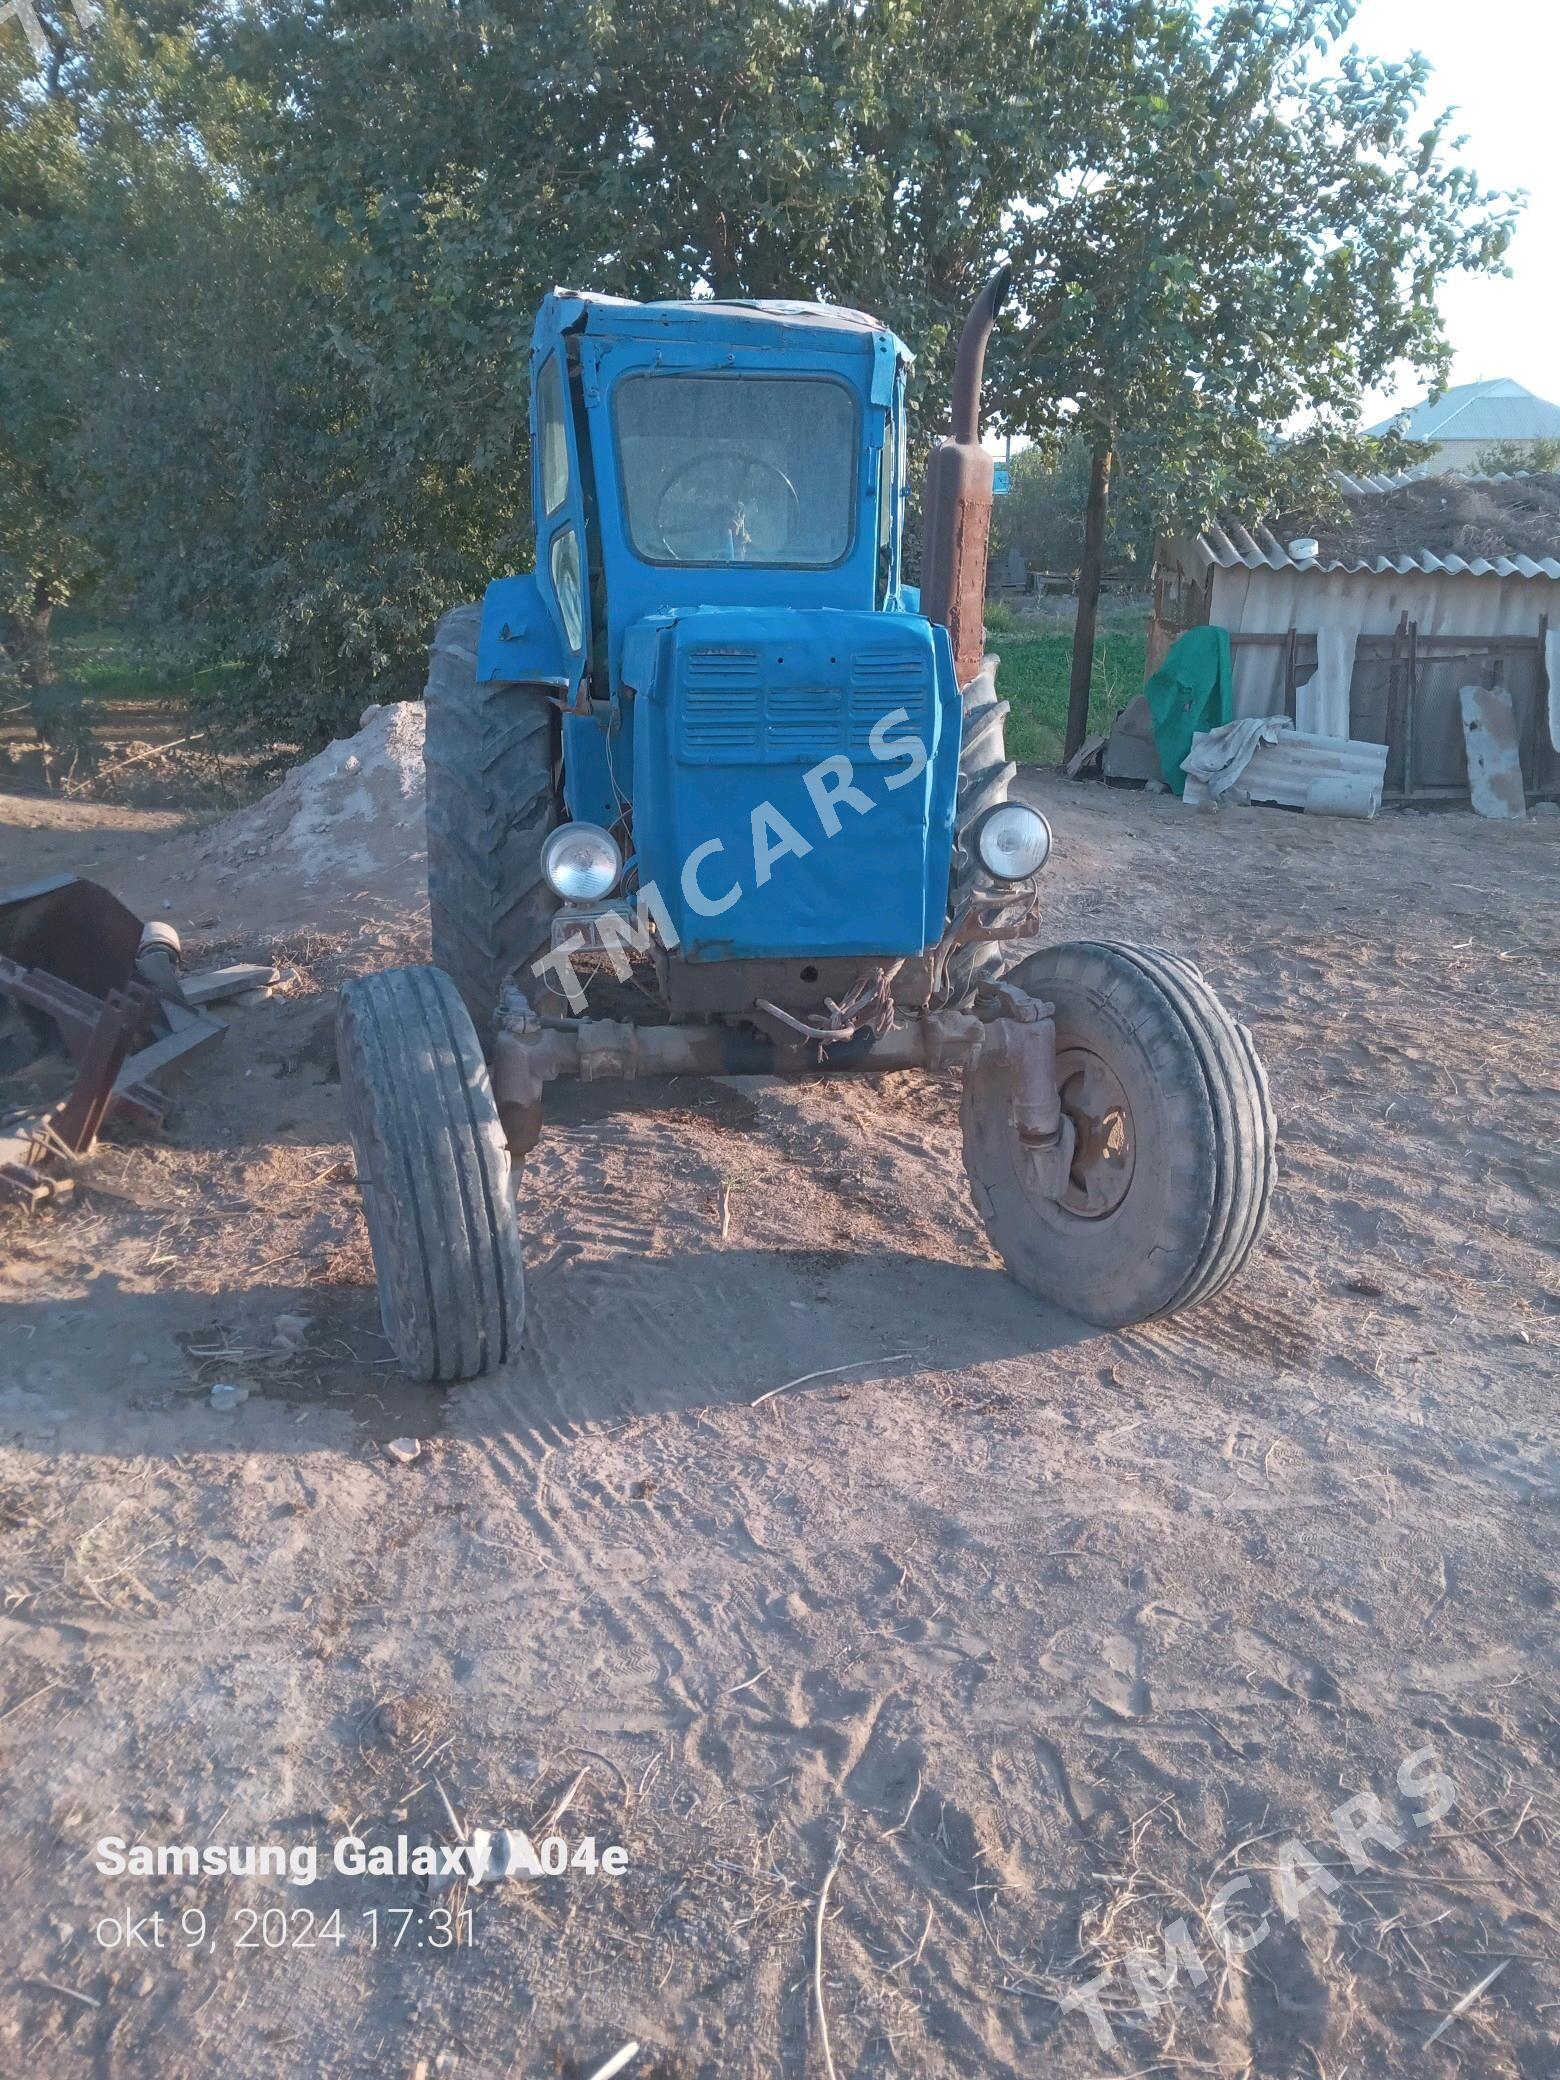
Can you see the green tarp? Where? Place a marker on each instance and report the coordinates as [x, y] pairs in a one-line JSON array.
[[1191, 690]]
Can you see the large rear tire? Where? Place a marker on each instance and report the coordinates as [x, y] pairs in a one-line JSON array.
[[491, 756], [433, 1170], [1174, 1150], [985, 775]]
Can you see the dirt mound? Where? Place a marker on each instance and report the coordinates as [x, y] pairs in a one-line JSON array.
[[1449, 516], [338, 847], [352, 811]]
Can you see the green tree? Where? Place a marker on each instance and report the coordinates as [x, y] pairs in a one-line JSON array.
[[1537, 458], [43, 178], [99, 154], [1253, 231], [316, 433], [1042, 516], [298, 251]]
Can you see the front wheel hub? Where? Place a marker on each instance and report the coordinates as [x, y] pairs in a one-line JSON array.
[[1095, 1105], [1158, 1188]]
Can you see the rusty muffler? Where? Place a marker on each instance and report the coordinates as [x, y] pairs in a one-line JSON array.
[[956, 505]]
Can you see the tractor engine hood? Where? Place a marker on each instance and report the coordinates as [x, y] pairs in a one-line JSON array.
[[794, 778]]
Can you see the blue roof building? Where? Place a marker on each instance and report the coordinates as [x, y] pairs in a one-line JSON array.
[[1465, 422]]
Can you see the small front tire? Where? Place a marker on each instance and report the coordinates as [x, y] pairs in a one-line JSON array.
[[433, 1170], [1173, 1143]]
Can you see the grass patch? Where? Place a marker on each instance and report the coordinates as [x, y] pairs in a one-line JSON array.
[[1033, 679], [100, 662], [121, 721]]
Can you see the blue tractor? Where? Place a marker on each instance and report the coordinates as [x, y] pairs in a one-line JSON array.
[[713, 790]]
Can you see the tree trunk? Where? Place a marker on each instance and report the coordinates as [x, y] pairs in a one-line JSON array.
[[1090, 574], [27, 639], [725, 276]]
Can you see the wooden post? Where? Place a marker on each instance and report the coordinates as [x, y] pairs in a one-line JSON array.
[[1090, 575], [1394, 724]]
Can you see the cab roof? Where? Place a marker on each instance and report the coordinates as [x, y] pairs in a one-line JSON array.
[[753, 321]]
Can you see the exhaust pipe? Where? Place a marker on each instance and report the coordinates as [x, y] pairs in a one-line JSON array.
[[956, 504]]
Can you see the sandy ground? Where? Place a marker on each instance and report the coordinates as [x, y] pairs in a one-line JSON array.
[[1045, 1637]]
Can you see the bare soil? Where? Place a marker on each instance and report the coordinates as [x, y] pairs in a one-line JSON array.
[[1045, 1634]]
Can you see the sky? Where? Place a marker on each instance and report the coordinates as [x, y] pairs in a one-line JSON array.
[[1499, 64]]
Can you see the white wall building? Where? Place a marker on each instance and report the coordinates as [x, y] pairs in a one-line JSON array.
[[1462, 425]]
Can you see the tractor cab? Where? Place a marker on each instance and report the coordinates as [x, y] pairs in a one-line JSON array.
[[719, 491], [708, 455]]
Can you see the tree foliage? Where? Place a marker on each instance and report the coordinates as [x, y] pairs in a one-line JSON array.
[[1042, 516], [1255, 231], [1536, 457], [44, 175], [294, 253]]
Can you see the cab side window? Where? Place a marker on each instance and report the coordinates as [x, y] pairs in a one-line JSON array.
[[551, 437]]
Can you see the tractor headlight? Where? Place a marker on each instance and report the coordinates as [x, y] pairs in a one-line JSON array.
[[1013, 841], [581, 862]]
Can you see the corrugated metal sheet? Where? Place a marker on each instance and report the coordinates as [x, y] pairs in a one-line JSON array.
[[1235, 547], [1372, 487], [1267, 601], [1284, 766]]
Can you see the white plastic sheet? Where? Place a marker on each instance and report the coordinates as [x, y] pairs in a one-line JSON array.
[[1219, 756], [1322, 703]]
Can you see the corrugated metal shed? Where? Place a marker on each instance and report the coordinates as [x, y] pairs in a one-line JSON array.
[[1420, 620]]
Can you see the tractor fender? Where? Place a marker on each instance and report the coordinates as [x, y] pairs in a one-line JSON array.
[[519, 639]]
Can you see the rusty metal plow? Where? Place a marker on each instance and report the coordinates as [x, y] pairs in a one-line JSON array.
[[77, 965]]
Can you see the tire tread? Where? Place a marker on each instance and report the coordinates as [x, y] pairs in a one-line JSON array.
[[1218, 1115], [985, 775], [492, 797], [434, 1174]]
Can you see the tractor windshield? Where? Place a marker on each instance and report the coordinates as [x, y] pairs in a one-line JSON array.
[[737, 469]]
